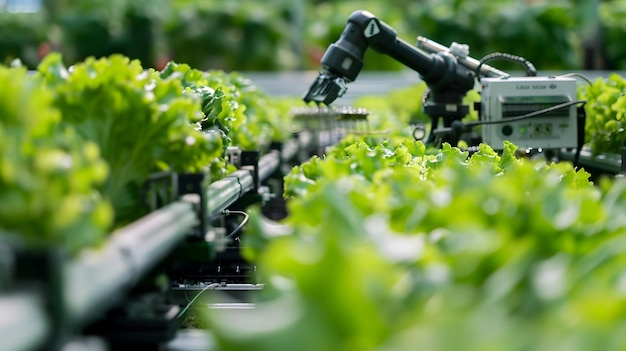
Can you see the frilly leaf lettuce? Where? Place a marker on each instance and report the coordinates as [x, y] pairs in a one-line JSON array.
[[445, 241], [231, 103], [49, 176], [605, 123], [141, 122]]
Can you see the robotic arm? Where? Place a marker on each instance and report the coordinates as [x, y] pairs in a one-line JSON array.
[[449, 73], [532, 112]]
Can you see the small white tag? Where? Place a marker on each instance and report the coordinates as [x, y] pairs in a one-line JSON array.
[[371, 29]]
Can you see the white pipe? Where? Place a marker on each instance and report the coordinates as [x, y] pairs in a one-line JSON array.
[[23, 322], [99, 278]]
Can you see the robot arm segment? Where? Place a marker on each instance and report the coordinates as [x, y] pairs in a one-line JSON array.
[[343, 60]]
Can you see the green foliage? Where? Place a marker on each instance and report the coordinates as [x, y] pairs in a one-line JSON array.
[[396, 109], [231, 35], [21, 34], [79, 143], [612, 23], [606, 106], [48, 175], [261, 122], [324, 23], [232, 104], [141, 123], [519, 28], [393, 246], [281, 34], [101, 28], [219, 111]]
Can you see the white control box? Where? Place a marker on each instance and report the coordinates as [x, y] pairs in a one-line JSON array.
[[504, 100]]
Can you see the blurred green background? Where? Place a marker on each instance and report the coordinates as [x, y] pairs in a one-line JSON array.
[[276, 35]]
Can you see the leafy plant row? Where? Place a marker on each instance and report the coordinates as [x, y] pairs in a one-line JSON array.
[[79, 142], [392, 245], [606, 114]]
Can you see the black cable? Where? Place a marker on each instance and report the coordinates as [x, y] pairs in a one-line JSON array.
[[581, 119], [528, 115], [530, 69], [434, 121], [458, 126]]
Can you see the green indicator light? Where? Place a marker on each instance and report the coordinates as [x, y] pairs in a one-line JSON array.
[[523, 130]]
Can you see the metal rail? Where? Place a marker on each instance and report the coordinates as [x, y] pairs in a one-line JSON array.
[[222, 193], [268, 164], [609, 163], [290, 150], [98, 279]]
